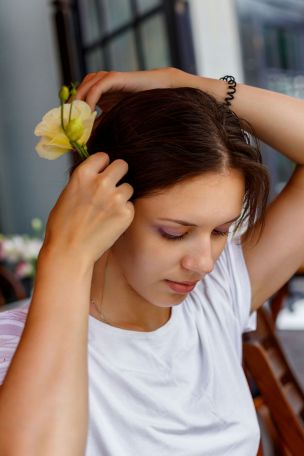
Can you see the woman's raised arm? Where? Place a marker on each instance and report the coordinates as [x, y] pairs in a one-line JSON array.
[[44, 397], [276, 118]]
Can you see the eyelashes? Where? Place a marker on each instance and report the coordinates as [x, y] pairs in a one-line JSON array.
[[220, 233], [173, 237]]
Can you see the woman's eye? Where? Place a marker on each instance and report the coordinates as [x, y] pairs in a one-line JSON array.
[[176, 237], [172, 237], [220, 233]]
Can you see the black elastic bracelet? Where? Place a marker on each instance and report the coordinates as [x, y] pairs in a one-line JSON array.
[[230, 80]]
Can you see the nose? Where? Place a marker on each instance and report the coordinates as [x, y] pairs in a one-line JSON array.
[[200, 260]]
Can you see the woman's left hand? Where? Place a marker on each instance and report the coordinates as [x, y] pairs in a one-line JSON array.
[[107, 88]]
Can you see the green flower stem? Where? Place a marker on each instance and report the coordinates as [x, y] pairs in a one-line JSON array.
[[70, 115], [80, 148], [84, 150], [61, 112]]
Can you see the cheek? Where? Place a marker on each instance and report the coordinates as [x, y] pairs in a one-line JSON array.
[[134, 256], [143, 258]]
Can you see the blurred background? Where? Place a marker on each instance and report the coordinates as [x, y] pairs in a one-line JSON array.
[[44, 43]]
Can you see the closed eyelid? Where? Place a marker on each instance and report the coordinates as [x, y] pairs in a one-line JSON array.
[[174, 232], [172, 236], [225, 227], [171, 231]]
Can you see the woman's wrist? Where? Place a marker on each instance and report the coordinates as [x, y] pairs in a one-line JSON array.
[[55, 256], [215, 87], [61, 280]]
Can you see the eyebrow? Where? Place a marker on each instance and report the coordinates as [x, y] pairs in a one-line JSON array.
[[185, 223]]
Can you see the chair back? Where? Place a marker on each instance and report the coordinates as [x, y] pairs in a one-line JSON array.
[[280, 390], [11, 288]]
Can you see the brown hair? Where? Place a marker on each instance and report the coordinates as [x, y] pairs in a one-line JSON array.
[[169, 135]]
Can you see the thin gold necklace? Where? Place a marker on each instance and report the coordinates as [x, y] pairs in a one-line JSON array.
[[94, 301], [101, 316]]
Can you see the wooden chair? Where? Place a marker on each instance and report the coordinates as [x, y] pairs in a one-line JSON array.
[[281, 406], [11, 288], [277, 301]]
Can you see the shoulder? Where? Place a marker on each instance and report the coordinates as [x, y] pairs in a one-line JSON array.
[[230, 268], [229, 286], [14, 315], [12, 322]]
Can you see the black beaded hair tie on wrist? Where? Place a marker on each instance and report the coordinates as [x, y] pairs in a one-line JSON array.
[[230, 80]]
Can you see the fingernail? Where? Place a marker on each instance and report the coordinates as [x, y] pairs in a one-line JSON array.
[[98, 111]]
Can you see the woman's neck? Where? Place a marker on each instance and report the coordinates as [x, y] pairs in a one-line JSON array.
[[118, 304]]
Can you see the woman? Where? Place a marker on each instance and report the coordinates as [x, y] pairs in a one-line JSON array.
[[137, 231]]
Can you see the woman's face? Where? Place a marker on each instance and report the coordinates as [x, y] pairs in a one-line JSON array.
[[176, 237]]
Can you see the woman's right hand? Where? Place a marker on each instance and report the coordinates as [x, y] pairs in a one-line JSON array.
[[92, 212]]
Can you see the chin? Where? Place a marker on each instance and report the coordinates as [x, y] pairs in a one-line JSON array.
[[173, 300], [158, 298]]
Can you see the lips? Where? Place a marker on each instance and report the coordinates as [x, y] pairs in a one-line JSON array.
[[181, 287]]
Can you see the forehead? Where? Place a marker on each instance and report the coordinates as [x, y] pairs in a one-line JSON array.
[[211, 196]]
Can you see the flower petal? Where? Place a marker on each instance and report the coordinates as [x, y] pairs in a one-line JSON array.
[[49, 152], [87, 130], [60, 140]]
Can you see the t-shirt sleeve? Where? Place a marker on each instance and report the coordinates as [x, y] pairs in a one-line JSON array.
[[11, 328], [239, 284]]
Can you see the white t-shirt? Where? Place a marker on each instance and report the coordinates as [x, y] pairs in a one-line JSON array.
[[179, 390]]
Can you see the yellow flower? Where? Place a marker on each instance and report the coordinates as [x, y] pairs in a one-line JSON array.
[[54, 142]]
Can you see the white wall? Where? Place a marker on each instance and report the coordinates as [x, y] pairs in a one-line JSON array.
[[216, 38], [29, 82]]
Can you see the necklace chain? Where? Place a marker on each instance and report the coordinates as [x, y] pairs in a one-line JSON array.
[[95, 301], [101, 316]]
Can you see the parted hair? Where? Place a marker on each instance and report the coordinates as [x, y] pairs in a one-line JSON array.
[[169, 135]]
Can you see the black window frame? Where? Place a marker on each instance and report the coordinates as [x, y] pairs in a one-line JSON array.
[[73, 50]]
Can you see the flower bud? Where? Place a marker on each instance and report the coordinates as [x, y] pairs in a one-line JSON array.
[[64, 94], [73, 89], [74, 129]]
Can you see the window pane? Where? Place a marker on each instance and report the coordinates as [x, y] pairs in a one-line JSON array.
[[155, 42], [123, 52], [90, 20], [94, 60], [118, 12], [145, 5]]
